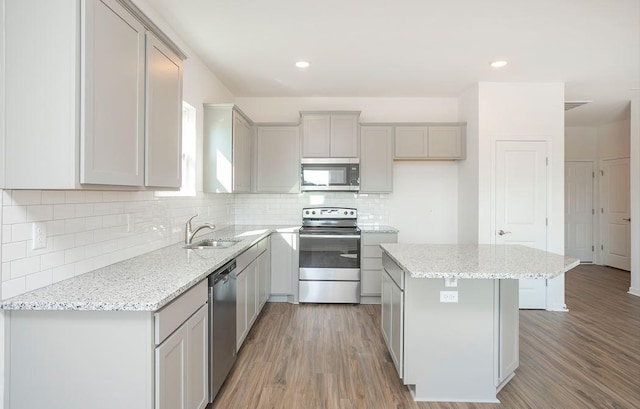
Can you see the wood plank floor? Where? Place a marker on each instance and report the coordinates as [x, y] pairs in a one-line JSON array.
[[333, 356]]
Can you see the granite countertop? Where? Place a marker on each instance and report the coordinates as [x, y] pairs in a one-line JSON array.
[[143, 283], [481, 261], [374, 228]]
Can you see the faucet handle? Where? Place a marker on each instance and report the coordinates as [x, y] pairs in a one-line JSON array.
[[189, 221]]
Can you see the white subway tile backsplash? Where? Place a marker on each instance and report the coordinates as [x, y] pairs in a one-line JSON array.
[[74, 196], [63, 272], [52, 260], [26, 197], [74, 225], [39, 280], [11, 288], [38, 213], [25, 266], [6, 233], [64, 211], [14, 214], [6, 271], [84, 210], [21, 231], [14, 251], [93, 196], [64, 242], [53, 197]]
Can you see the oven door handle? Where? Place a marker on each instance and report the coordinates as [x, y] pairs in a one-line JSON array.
[[329, 236]]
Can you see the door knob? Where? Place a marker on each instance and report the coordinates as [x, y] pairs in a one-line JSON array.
[[629, 219], [502, 232]]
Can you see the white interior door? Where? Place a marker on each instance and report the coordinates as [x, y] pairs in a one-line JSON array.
[[578, 217], [616, 221], [521, 206]]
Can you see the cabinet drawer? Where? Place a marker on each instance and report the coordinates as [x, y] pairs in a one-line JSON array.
[[171, 316], [394, 271], [263, 245], [244, 259], [371, 251], [369, 239], [372, 264]]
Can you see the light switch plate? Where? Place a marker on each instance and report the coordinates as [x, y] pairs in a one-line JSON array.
[[39, 236]]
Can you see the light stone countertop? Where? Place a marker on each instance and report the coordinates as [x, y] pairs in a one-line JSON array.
[[482, 261], [143, 283], [374, 228]]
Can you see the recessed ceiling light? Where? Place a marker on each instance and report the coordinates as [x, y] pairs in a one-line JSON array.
[[498, 64], [303, 64]]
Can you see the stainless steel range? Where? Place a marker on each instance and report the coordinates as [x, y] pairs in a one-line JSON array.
[[329, 255]]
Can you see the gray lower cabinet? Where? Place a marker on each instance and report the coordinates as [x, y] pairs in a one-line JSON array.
[[376, 159], [277, 159], [284, 265], [181, 366], [113, 359], [252, 275], [371, 262]]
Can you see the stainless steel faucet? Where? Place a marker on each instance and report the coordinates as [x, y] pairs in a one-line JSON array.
[[188, 233]]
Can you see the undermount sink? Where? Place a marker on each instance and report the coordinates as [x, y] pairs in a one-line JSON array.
[[212, 244]]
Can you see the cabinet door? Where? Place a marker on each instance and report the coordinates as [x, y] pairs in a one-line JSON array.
[[164, 116], [344, 136], [198, 362], [252, 295], [112, 91], [171, 375], [411, 142], [444, 142], [397, 327], [241, 308], [376, 159], [277, 160], [263, 279], [386, 308], [316, 131], [242, 137], [284, 248]]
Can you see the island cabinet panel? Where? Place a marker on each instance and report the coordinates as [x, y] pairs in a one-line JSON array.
[[277, 159], [376, 159], [450, 351]]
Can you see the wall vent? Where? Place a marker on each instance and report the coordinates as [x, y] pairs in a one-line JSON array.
[[574, 104]]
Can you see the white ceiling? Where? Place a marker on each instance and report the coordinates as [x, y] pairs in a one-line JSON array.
[[421, 48]]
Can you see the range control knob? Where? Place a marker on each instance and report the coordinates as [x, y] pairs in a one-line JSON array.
[[352, 213], [313, 212], [345, 212], [306, 212]]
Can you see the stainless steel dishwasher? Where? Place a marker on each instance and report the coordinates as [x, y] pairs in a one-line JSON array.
[[222, 326]]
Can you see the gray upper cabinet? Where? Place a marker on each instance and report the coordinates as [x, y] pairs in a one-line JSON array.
[[92, 132], [277, 159], [330, 134], [376, 159], [112, 136], [446, 142], [164, 116], [228, 136]]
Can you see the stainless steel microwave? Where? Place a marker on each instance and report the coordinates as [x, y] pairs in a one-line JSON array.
[[330, 174]]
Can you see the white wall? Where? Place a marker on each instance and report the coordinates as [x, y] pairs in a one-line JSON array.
[[613, 140], [524, 111], [468, 182], [581, 143]]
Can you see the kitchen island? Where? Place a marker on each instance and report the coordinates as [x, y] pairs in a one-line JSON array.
[[450, 315]]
